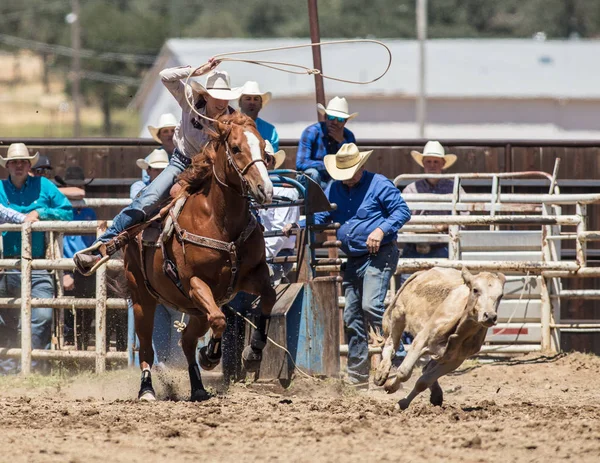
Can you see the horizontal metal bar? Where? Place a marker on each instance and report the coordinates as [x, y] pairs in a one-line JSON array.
[[63, 303], [495, 220], [575, 326], [412, 265], [422, 238], [72, 226], [283, 260], [326, 244], [473, 207], [584, 198], [83, 141], [580, 330], [324, 226], [54, 264], [61, 354], [590, 236], [569, 236], [101, 202], [590, 294], [329, 261]]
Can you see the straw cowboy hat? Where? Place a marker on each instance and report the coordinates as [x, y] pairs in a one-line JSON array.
[[18, 151], [157, 159], [218, 86], [337, 107], [252, 88], [279, 155], [346, 162], [435, 150], [164, 121], [74, 176]]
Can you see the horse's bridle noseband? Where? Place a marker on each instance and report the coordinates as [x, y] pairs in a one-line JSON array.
[[241, 172]]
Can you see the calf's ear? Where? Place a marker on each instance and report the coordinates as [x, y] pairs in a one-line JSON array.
[[467, 276], [501, 277]]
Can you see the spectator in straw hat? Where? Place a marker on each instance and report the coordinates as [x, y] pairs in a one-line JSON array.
[[37, 198], [370, 211], [192, 134], [433, 160], [164, 132], [252, 101], [324, 137], [152, 165]]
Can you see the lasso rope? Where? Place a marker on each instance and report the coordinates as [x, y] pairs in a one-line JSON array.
[[277, 65]]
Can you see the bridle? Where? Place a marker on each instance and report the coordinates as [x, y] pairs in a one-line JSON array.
[[241, 172]]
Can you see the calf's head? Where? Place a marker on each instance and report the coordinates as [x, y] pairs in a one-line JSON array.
[[485, 292]]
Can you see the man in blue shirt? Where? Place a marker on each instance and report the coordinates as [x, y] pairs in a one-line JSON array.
[[38, 198], [370, 211], [251, 102], [319, 139]]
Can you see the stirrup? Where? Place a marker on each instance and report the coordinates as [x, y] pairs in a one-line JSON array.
[[94, 247]]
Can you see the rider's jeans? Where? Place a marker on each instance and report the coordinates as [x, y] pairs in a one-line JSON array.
[[146, 203]]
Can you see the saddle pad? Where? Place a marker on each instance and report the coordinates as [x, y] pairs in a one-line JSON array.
[[168, 224]]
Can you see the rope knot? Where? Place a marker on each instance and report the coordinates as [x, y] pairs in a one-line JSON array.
[[313, 71]]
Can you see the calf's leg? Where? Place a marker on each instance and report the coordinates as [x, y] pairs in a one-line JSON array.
[[428, 380], [417, 349], [394, 321]]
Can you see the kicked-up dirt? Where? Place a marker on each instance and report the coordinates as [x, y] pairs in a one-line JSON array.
[[528, 409]]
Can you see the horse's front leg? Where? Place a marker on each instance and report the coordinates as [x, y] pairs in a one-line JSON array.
[[197, 327], [252, 355], [200, 293], [144, 306]]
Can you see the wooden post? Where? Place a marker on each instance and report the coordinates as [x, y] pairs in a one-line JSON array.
[[315, 37], [26, 298], [101, 311]]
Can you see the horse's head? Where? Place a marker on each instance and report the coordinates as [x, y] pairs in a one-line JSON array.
[[245, 151]]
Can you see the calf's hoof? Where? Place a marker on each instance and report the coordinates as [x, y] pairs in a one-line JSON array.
[[199, 395], [207, 362], [381, 375], [392, 385], [251, 359]]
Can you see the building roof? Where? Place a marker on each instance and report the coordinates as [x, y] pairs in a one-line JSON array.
[[466, 68]]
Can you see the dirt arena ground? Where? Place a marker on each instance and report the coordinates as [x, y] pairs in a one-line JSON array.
[[529, 409]]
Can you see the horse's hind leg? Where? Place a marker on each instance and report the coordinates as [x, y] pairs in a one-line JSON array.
[[197, 327], [200, 293], [252, 355]]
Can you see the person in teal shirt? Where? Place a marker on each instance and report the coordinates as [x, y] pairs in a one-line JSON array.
[[39, 199], [251, 102]]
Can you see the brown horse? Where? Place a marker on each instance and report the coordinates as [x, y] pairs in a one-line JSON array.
[[216, 250]]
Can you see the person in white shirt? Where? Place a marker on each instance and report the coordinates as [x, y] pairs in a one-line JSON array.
[[152, 165], [275, 218]]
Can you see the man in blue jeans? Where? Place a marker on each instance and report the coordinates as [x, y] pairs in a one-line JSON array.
[[370, 211], [39, 199], [319, 139]]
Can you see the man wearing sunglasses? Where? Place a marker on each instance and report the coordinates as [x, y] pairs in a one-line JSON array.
[[322, 138]]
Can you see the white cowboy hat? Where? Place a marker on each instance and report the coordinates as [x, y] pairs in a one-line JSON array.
[[252, 88], [164, 121], [279, 155], [346, 162], [436, 150], [218, 86], [337, 107], [157, 159], [18, 151]]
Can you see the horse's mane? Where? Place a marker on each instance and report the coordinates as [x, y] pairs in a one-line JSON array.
[[194, 178]]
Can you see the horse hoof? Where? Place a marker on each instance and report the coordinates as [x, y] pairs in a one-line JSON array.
[[206, 361], [381, 375], [200, 395], [403, 404], [251, 359], [147, 396]]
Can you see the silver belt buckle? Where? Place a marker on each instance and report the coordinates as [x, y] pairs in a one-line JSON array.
[[423, 248]]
